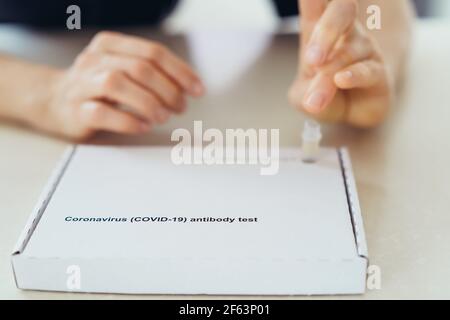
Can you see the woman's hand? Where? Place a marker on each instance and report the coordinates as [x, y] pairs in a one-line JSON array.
[[342, 76], [120, 84]]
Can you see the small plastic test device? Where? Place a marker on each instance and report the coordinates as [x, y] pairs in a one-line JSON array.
[[311, 138]]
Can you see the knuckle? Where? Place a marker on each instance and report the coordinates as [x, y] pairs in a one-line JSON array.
[[111, 80], [149, 103], [175, 98], [142, 70], [85, 59], [95, 112], [101, 38], [156, 51], [148, 106], [128, 125]]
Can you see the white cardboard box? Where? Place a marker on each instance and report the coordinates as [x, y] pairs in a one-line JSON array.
[[308, 237]]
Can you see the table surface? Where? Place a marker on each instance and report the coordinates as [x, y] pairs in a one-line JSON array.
[[401, 168]]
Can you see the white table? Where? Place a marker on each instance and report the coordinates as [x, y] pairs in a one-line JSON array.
[[401, 168]]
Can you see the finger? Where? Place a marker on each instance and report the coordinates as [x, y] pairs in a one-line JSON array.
[[311, 11], [335, 22], [103, 116], [356, 48], [334, 113], [117, 87], [363, 74], [323, 88], [148, 76], [128, 45], [319, 94], [297, 92]]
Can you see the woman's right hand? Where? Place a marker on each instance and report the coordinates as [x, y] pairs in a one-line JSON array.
[[121, 84]]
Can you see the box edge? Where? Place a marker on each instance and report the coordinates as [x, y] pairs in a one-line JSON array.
[[43, 200], [353, 203]]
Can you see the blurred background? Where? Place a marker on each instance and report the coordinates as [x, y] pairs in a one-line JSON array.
[[433, 8], [258, 14]]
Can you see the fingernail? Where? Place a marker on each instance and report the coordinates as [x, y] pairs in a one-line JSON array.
[[346, 75], [314, 55], [198, 89], [315, 102]]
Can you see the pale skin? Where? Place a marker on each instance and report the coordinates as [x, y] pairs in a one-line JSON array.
[[346, 74]]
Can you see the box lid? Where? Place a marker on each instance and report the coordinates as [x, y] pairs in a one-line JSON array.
[[90, 207]]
